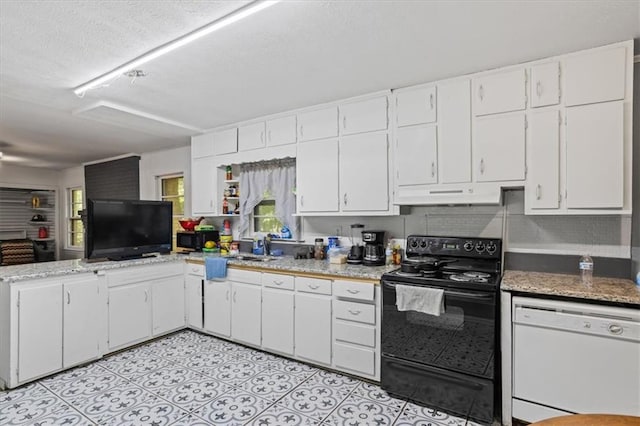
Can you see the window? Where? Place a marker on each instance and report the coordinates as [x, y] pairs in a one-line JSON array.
[[172, 189], [264, 218], [75, 228]]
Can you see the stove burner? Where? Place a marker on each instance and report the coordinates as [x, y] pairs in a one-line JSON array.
[[469, 279], [474, 274]]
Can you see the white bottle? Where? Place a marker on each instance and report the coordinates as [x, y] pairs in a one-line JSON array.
[[389, 253], [586, 270]]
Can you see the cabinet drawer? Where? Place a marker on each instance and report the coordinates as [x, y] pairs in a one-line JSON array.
[[353, 290], [363, 116], [353, 358], [354, 333], [313, 285], [352, 311], [197, 270], [284, 282], [242, 276]]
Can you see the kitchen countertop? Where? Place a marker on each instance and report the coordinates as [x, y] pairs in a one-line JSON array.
[[307, 266], [615, 290]]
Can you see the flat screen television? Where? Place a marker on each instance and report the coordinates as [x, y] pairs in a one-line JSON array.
[[125, 229]]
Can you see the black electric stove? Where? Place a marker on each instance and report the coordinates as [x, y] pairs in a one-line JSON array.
[[447, 361]]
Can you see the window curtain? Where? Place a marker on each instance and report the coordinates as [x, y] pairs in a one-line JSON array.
[[275, 177]]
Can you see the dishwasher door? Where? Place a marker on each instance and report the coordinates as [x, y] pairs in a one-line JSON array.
[[576, 357]]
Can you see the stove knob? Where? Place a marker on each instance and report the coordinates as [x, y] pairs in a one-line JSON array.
[[423, 244], [413, 244], [491, 247], [480, 247], [468, 246]]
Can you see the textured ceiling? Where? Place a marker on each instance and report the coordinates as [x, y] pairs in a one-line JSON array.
[[294, 54]]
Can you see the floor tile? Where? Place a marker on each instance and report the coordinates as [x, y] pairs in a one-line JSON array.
[[191, 420], [335, 381], [153, 412], [292, 367], [233, 408], [30, 405], [137, 367], [358, 411], [377, 394], [234, 372], [88, 381], [166, 378], [195, 393], [271, 384], [313, 399], [417, 415], [103, 406], [205, 361], [278, 415]]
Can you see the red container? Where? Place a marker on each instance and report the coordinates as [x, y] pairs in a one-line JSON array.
[[189, 224]]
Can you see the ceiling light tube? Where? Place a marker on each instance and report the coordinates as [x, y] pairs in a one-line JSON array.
[[229, 19]]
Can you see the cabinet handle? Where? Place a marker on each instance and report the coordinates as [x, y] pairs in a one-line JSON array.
[[262, 136], [482, 166], [269, 136], [354, 312], [345, 198], [302, 200], [68, 297], [277, 282], [538, 191], [353, 291], [234, 297], [227, 296], [146, 296], [431, 100], [313, 286], [539, 89], [344, 122], [481, 92], [301, 132], [615, 329], [433, 169]]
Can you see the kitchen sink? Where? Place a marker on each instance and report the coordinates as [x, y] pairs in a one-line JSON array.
[[254, 258]]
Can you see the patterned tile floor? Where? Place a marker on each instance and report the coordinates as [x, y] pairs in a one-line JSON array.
[[189, 378]]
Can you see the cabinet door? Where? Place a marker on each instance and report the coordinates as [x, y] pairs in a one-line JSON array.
[[454, 132], [225, 141], [545, 84], [217, 307], [416, 106], [39, 331], [246, 313], [416, 155], [499, 146], [251, 137], [543, 180], [281, 131], [193, 301], [313, 328], [595, 163], [203, 186], [499, 92], [364, 181], [82, 310], [277, 320], [595, 76], [318, 124], [364, 116], [317, 176], [129, 314], [168, 304], [202, 145]]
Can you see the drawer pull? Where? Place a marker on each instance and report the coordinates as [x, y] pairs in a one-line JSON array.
[[278, 282], [353, 291], [313, 286], [354, 312]]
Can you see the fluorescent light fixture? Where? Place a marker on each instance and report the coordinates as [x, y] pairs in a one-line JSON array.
[[229, 19]]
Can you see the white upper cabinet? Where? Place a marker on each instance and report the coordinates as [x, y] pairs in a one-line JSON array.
[[202, 145], [595, 153], [225, 141], [416, 155], [251, 136], [454, 131], [364, 116], [203, 186], [416, 106], [595, 76], [499, 148], [543, 179], [363, 172], [281, 131], [498, 92], [317, 176], [545, 84], [318, 124]]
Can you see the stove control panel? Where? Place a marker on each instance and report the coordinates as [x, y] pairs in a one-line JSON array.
[[422, 245]]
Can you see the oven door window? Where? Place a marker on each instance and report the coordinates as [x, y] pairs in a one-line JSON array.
[[461, 339]]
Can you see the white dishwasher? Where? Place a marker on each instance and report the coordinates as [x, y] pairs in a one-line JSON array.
[[574, 358]]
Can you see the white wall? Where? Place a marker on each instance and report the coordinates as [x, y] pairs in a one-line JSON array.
[[70, 178], [162, 163], [28, 177]]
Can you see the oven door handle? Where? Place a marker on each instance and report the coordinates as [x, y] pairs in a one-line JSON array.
[[479, 295]]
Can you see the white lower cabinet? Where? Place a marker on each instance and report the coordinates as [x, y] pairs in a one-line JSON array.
[[193, 294], [217, 307], [129, 315], [245, 313], [83, 314], [168, 305], [277, 320], [313, 328]]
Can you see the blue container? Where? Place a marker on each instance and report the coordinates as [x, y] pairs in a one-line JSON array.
[[333, 242]]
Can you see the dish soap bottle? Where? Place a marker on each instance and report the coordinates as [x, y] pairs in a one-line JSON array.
[[389, 253], [586, 270]]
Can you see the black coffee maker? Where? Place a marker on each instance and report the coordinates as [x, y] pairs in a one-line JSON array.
[[373, 248], [356, 252]]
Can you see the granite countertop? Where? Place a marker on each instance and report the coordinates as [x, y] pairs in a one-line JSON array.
[[307, 266], [31, 271], [603, 289]]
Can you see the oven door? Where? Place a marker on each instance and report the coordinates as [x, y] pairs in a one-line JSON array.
[[462, 339]]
